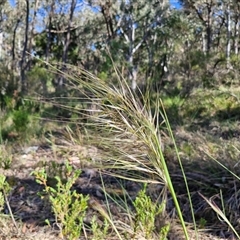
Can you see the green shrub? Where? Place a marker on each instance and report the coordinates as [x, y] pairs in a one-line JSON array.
[[20, 120], [4, 190], [146, 212], [39, 80], [68, 206], [5, 157]]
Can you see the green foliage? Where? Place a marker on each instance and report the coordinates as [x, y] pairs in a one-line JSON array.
[[9, 102], [68, 206], [187, 148], [164, 232], [202, 223], [39, 79], [146, 212], [20, 120], [197, 59], [55, 45], [208, 80], [235, 61], [4, 190], [103, 76], [8, 88], [218, 104], [5, 157], [99, 232], [194, 60], [173, 106]]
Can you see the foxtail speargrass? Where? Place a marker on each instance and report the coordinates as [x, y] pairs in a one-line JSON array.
[[125, 129]]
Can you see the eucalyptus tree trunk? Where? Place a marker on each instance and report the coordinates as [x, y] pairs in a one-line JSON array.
[[69, 28], [128, 25], [1, 45], [236, 39], [108, 18], [204, 42], [209, 27], [48, 29], [14, 43], [67, 42], [33, 23], [24, 51], [228, 48], [131, 51], [205, 13], [236, 29]]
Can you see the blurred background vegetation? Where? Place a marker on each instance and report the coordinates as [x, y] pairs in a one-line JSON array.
[[186, 51]]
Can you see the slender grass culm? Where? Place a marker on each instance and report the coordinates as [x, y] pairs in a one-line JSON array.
[[124, 128]]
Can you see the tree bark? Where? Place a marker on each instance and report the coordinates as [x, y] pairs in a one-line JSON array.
[[23, 59], [209, 28], [49, 28], [228, 48], [68, 36], [67, 43], [28, 65], [236, 31]]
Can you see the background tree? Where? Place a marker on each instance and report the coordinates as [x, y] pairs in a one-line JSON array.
[[149, 41]]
